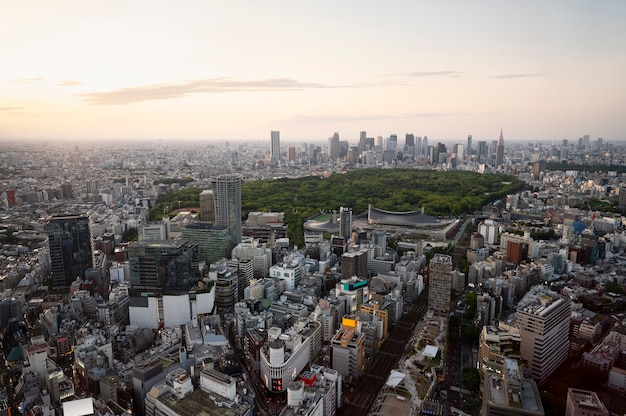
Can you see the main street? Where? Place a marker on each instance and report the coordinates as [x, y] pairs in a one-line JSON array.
[[375, 375]]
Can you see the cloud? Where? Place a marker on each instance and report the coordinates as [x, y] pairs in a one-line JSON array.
[[340, 119], [10, 108], [28, 80], [520, 75], [436, 74], [68, 83], [166, 91]]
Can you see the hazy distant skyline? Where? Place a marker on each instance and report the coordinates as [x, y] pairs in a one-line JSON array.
[[89, 70]]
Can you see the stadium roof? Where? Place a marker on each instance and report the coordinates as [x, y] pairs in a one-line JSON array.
[[411, 218]]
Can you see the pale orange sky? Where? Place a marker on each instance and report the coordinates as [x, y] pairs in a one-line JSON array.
[[90, 70]]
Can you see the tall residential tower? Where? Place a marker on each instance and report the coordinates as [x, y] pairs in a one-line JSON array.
[[440, 284], [227, 190], [275, 148]]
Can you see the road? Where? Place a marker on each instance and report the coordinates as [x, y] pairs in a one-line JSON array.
[[375, 376]]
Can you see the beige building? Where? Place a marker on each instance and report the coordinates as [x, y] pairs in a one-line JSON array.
[[543, 319], [440, 283], [583, 402]]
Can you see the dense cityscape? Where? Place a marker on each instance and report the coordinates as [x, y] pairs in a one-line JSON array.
[[133, 281]]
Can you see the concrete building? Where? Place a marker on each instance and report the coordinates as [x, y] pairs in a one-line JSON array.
[[440, 284], [348, 353], [286, 354], [275, 148], [354, 263], [543, 319], [509, 393], [291, 273], [345, 222], [584, 403]]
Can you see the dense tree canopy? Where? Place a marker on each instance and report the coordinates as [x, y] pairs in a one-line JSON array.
[[440, 193]]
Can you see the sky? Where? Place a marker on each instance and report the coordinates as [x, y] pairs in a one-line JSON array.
[[235, 70]]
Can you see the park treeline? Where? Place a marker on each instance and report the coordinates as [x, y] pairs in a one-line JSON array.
[[439, 193]]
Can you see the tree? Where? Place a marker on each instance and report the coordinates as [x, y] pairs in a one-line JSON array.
[[471, 379], [131, 234]]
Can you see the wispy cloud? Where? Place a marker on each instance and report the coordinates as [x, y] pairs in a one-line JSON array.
[[10, 108], [28, 80], [520, 75], [68, 83], [453, 74], [165, 91], [339, 119]]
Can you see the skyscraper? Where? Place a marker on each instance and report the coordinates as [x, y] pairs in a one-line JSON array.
[[275, 148], [207, 205], [71, 248], [345, 222], [334, 148], [440, 284], [543, 318], [163, 264], [227, 190], [500, 150]]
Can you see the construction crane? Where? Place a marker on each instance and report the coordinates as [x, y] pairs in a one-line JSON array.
[[593, 218]]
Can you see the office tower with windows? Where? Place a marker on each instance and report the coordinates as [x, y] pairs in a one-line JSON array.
[[207, 205], [345, 222], [543, 318], [334, 148], [500, 150], [157, 265], [71, 248], [227, 190], [440, 285], [275, 148]]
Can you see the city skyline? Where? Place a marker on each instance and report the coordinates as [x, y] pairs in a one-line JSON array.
[[93, 71]]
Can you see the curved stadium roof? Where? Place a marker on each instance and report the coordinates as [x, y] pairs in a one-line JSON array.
[[324, 226], [411, 218]]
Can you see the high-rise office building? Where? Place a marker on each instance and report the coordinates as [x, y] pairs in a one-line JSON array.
[[214, 242], [345, 222], [207, 205], [227, 190], [334, 148], [481, 153], [291, 153], [440, 284], [425, 147], [363, 142], [163, 264], [543, 318], [469, 144], [71, 248], [354, 263], [275, 148], [500, 150]]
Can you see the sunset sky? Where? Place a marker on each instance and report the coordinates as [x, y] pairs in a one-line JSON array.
[[91, 70]]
